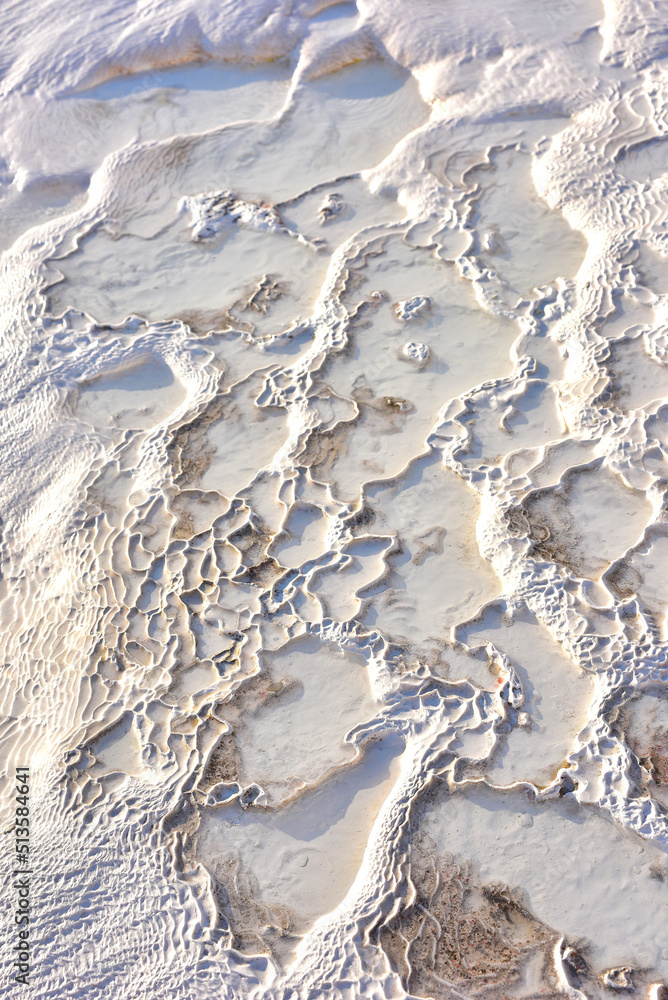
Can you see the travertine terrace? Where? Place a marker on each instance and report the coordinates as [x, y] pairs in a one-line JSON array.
[[334, 417]]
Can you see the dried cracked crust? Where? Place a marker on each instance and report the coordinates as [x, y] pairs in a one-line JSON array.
[[461, 935]]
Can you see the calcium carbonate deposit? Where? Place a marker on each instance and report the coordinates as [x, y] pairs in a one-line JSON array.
[[334, 448]]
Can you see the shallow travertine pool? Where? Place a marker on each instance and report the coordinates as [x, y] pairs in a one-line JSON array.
[[334, 397]]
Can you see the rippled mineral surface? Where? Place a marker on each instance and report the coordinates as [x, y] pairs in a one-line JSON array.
[[334, 449]]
